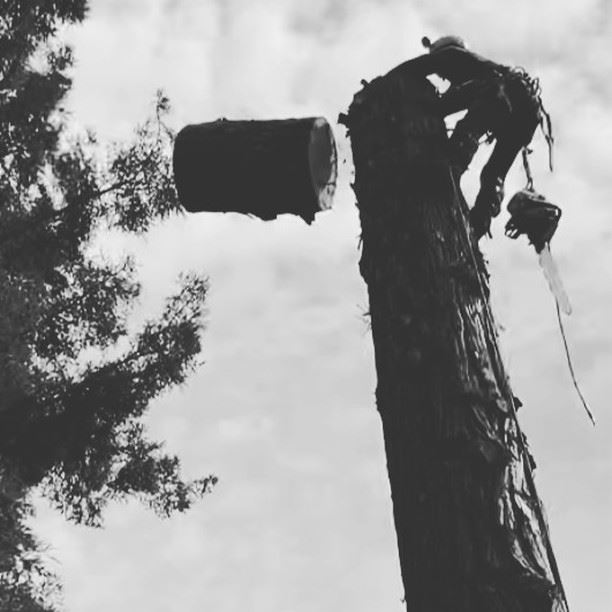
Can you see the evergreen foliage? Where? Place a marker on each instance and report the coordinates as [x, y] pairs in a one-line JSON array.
[[74, 381]]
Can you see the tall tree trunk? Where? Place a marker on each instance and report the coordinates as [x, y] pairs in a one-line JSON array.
[[471, 532]]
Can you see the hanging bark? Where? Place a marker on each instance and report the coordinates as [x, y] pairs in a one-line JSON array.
[[262, 168], [470, 528]]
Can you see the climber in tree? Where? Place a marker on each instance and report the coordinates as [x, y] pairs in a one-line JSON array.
[[503, 104]]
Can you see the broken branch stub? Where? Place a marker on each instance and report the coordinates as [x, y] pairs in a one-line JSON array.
[[261, 168]]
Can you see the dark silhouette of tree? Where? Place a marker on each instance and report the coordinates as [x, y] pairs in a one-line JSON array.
[[74, 381], [471, 532]]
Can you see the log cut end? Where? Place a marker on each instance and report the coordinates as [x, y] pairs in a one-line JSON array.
[[322, 160], [261, 168]]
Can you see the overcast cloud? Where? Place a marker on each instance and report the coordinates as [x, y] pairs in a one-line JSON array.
[[283, 411]]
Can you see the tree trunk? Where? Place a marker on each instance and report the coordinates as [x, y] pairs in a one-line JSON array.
[[262, 168], [470, 528]]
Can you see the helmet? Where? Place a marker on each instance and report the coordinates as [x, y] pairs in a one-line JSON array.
[[443, 43]]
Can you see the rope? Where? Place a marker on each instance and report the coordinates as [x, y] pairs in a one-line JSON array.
[[520, 438], [570, 365], [526, 151], [546, 126]]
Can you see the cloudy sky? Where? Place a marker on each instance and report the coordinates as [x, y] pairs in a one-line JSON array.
[[283, 410]]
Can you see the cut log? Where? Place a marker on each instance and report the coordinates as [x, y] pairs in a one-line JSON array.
[[261, 168]]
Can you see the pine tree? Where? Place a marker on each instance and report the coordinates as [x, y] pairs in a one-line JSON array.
[[73, 381]]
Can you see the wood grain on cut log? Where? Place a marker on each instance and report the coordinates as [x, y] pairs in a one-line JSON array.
[[262, 168], [468, 521]]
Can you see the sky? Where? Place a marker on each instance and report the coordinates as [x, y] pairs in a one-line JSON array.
[[283, 409]]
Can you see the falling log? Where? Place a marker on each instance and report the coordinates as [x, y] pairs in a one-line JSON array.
[[261, 168]]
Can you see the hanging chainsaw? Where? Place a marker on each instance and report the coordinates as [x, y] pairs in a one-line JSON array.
[[531, 214]]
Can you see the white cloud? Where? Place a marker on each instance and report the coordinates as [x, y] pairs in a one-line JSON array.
[[283, 410]]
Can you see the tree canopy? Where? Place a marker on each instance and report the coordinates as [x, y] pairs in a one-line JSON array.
[[75, 380]]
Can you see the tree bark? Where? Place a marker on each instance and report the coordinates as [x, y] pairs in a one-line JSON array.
[[470, 528], [262, 168]]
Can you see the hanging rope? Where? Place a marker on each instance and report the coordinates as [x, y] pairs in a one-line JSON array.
[[571, 367], [546, 126], [526, 151]]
